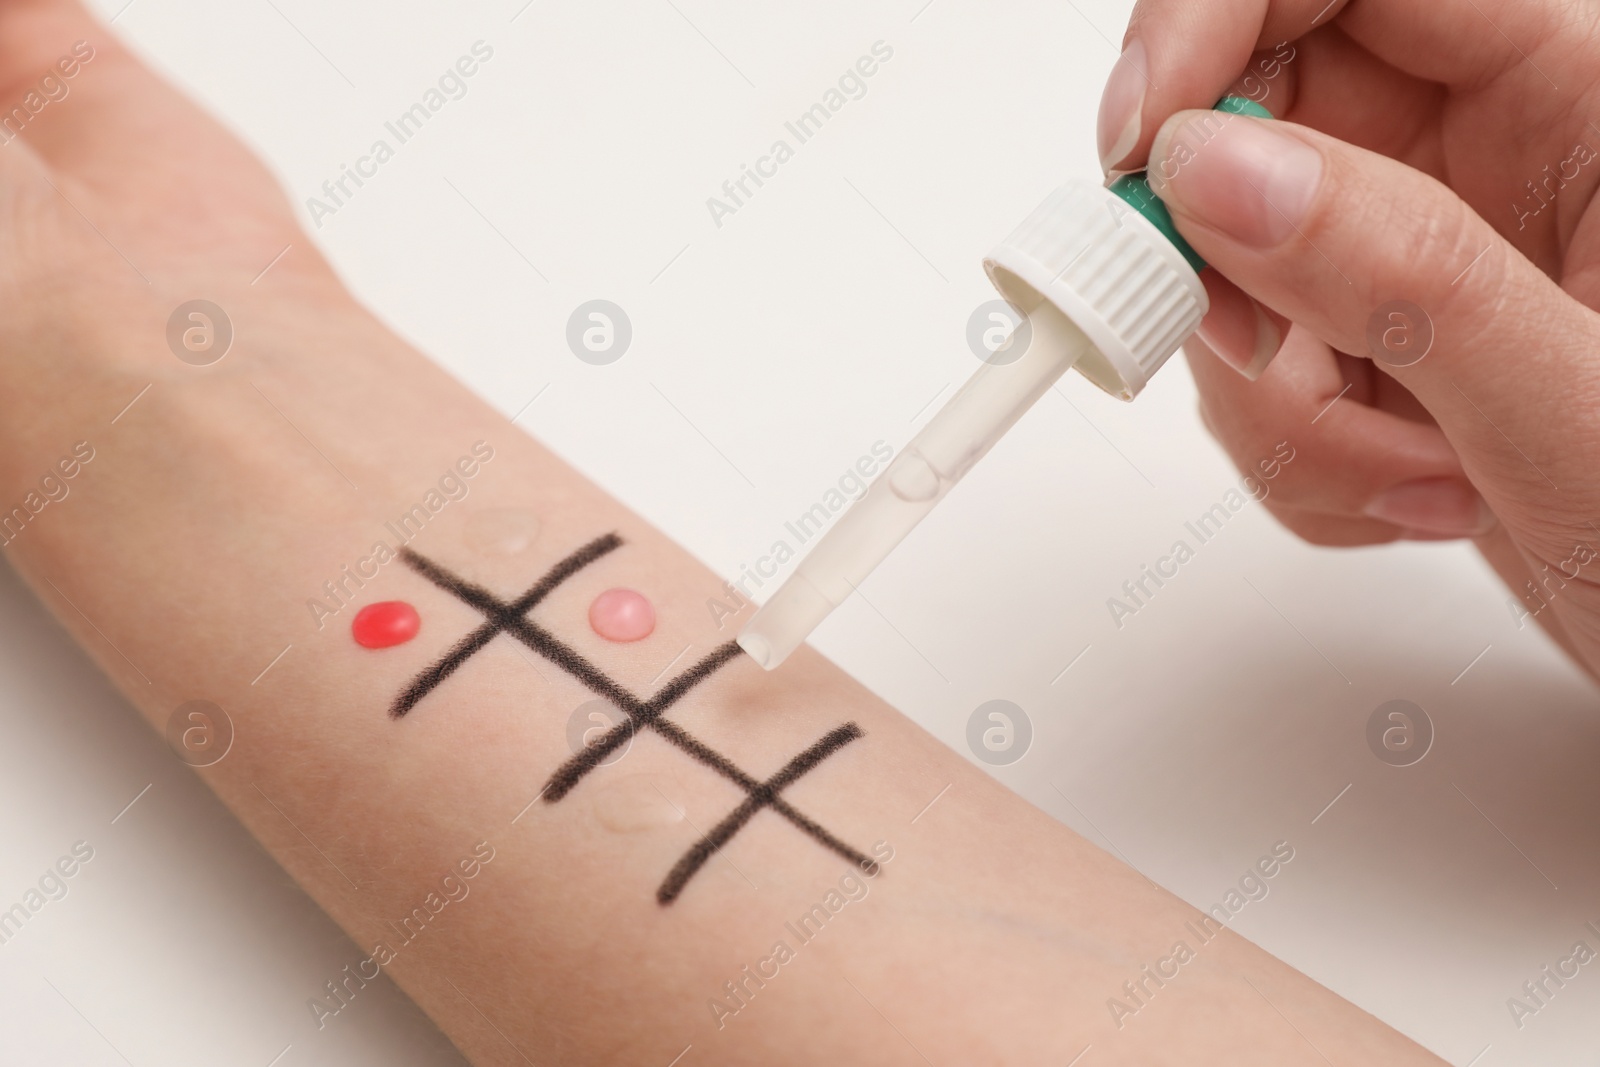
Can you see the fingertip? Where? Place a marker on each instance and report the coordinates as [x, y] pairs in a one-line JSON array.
[[1329, 530], [1176, 54], [1407, 534], [1242, 332], [1164, 160], [1432, 509], [1248, 181], [1122, 107]]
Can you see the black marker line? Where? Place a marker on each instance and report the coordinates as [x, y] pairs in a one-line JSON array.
[[500, 614], [589, 553], [507, 619], [426, 682], [504, 620], [668, 694], [699, 750], [820, 834], [568, 659], [763, 795], [640, 715], [510, 618]]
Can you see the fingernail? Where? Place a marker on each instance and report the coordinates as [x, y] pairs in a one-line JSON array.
[[1434, 506], [1238, 329], [1121, 105], [1246, 178]]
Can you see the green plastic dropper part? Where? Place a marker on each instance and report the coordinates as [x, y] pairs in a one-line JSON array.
[[1135, 188]]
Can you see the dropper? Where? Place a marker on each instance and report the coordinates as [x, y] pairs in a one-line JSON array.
[[1104, 284]]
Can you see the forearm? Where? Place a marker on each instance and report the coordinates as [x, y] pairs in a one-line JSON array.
[[188, 556]]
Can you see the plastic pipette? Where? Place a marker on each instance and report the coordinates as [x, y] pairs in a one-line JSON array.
[[1107, 286], [918, 478]]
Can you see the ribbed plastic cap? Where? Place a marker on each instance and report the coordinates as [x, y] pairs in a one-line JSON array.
[[1112, 272]]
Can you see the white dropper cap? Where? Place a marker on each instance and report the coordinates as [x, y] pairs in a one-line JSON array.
[[1103, 289]]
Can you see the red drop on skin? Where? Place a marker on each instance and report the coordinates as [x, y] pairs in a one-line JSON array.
[[622, 615], [386, 624]]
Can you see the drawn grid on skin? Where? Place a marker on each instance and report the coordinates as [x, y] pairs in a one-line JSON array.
[[510, 618]]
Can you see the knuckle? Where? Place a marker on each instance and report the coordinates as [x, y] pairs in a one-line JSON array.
[[1423, 244]]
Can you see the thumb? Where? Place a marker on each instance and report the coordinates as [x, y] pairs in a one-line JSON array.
[[1380, 260]]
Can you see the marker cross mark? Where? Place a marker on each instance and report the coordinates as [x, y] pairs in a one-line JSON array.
[[510, 618]]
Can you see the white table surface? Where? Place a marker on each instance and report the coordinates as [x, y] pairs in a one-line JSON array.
[[768, 354]]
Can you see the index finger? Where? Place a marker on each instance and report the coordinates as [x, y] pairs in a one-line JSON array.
[[1180, 54]]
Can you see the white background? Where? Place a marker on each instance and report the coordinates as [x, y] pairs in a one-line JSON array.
[[768, 355]]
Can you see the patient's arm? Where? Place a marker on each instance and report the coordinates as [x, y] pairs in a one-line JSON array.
[[752, 868]]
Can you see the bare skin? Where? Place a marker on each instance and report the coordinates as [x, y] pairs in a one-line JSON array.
[[188, 548]]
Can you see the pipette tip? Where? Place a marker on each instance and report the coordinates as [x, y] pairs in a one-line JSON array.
[[757, 648]]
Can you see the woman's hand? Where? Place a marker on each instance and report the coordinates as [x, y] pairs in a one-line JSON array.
[[1422, 216]]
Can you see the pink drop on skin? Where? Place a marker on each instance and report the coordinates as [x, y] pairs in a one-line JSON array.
[[622, 615], [386, 624]]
